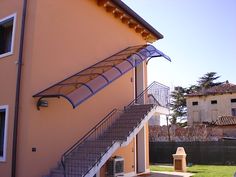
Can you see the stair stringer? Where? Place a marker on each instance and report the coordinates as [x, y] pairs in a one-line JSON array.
[[119, 144]]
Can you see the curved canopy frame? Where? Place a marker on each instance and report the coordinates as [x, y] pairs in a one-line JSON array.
[[84, 84]]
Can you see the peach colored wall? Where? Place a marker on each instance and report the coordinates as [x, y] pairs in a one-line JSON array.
[[145, 75], [8, 69], [128, 153], [103, 171], [147, 146], [146, 125], [63, 38], [145, 80]]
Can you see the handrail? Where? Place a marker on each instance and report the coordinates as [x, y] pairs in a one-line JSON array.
[[141, 95], [86, 136], [97, 131], [155, 100]]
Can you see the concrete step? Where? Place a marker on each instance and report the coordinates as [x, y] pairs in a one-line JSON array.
[[133, 113], [141, 107], [121, 122], [127, 118]]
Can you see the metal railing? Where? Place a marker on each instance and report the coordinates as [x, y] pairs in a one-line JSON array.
[[100, 133], [155, 93], [92, 135], [161, 93]]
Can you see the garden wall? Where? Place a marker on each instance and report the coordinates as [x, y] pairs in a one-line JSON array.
[[180, 134], [214, 152]]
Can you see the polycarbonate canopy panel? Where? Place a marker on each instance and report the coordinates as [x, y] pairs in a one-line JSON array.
[[88, 82]]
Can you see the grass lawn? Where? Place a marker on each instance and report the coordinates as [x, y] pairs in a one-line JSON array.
[[202, 170]]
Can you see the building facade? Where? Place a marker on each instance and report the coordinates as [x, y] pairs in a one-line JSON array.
[[63, 68], [210, 104], [161, 94]]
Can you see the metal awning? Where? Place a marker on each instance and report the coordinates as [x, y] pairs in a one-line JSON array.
[[84, 84]]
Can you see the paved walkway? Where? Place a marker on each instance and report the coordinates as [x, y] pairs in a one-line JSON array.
[[166, 174]]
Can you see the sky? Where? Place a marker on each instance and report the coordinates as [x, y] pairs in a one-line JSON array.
[[199, 37]]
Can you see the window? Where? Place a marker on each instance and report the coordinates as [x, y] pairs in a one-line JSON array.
[[233, 100], [233, 111], [3, 131], [6, 35], [213, 101], [195, 103]]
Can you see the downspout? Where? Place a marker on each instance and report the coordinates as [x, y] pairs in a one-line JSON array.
[[18, 84]]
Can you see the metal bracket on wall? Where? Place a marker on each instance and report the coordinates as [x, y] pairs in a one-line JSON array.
[[43, 103]]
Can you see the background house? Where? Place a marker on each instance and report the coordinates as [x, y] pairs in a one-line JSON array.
[[161, 94], [207, 105], [228, 126], [67, 70]]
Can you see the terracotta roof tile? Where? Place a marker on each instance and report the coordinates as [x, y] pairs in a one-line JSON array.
[[219, 89], [225, 120]]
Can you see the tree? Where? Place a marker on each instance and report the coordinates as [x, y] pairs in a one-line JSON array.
[[208, 80], [178, 105], [192, 88], [178, 100]]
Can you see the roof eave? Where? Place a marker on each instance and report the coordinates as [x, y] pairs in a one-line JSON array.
[[134, 15], [210, 94]]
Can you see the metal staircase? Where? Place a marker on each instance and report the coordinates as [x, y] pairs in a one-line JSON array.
[[117, 129]]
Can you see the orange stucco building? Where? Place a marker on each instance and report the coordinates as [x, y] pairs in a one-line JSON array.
[[44, 42]]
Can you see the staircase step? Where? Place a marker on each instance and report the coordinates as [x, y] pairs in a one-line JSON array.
[[123, 124], [128, 120], [117, 138], [87, 156], [116, 130], [119, 131], [127, 117], [138, 110], [133, 113], [143, 106], [90, 146]]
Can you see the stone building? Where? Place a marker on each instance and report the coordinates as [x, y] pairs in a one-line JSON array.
[[207, 105]]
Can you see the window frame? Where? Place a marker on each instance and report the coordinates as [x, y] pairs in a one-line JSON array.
[[195, 103], [233, 110], [233, 100], [214, 101], [3, 158], [2, 20]]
